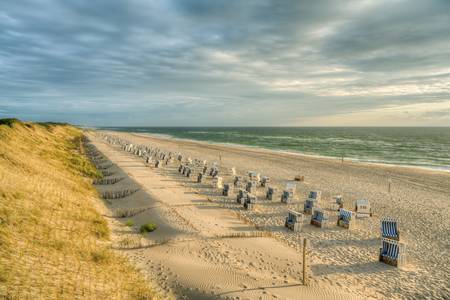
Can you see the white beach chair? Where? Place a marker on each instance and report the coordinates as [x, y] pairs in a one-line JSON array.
[[294, 220], [319, 218], [362, 208]]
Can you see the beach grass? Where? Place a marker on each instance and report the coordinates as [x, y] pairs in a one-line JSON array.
[[54, 243]]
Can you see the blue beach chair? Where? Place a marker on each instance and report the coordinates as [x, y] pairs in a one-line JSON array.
[[346, 219], [392, 252], [319, 218]]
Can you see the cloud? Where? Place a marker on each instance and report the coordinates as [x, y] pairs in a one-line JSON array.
[[136, 62]]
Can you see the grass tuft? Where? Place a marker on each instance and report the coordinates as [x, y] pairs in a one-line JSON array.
[[149, 227]]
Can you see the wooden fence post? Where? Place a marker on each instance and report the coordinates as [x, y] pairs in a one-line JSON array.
[[305, 272]]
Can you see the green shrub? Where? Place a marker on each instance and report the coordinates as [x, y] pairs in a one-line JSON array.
[[129, 223], [149, 227], [8, 122]]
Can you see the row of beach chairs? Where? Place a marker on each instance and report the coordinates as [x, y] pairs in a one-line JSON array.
[[392, 251]]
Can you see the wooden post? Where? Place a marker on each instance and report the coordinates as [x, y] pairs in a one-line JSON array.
[[389, 185], [305, 272]]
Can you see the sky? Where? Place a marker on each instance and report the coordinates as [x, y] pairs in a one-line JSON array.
[[226, 62]]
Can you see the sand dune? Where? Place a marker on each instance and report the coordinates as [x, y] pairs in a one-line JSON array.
[[194, 258]]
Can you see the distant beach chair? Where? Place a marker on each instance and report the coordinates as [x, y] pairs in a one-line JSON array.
[[346, 219], [299, 178], [237, 181], [251, 186], [309, 206], [233, 171], [319, 218], [250, 201], [188, 172], [205, 169], [316, 195], [253, 176], [180, 168], [286, 197], [226, 190], [362, 208], [199, 177], [264, 181], [294, 220], [392, 252], [270, 193], [217, 182], [338, 201], [241, 196], [389, 228], [157, 164]]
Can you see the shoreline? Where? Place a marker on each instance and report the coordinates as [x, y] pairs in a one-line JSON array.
[[291, 152]]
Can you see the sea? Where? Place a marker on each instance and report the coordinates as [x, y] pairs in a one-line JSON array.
[[427, 147]]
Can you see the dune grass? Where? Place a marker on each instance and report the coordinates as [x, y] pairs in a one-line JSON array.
[[53, 243], [149, 227]]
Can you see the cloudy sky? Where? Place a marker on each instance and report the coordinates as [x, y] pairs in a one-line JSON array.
[[204, 62]]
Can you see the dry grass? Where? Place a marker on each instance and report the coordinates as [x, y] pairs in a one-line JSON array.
[[54, 244]]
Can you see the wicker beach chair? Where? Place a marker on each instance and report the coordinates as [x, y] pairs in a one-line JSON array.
[[316, 195], [250, 201], [392, 252], [251, 186], [286, 197], [319, 218], [270, 193], [346, 219], [226, 190], [217, 182], [241, 196], [264, 181], [309, 206], [294, 220], [237, 181], [362, 208], [199, 177]]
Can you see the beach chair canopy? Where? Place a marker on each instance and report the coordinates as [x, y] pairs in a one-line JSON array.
[[314, 195], [363, 204], [319, 215], [345, 215], [294, 217], [389, 228]]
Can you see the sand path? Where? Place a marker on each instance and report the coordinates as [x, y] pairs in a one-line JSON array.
[[196, 258]]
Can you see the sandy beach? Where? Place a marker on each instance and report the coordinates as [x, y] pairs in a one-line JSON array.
[[207, 246]]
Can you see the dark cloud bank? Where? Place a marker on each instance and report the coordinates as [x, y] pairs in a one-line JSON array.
[[143, 62]]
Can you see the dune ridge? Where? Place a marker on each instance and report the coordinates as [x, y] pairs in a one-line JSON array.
[[54, 244]]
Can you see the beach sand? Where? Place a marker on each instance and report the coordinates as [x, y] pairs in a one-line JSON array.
[[207, 246]]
